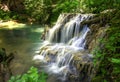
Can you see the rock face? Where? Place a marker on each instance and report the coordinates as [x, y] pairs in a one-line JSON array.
[[96, 34], [98, 27], [68, 47]]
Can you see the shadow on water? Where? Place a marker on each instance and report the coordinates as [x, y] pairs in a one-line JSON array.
[[23, 42]]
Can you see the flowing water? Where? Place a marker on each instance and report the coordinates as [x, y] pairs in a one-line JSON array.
[[22, 42], [63, 42]]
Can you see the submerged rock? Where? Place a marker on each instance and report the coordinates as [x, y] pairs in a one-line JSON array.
[[5, 71]]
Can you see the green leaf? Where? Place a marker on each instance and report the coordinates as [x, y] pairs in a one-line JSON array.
[[114, 60], [31, 76]]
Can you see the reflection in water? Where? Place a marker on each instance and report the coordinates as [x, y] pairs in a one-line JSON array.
[[23, 42]]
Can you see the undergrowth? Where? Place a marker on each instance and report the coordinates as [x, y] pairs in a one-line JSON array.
[[31, 76]]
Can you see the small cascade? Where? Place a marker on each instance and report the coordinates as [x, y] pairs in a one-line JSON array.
[[66, 28], [64, 46], [80, 41]]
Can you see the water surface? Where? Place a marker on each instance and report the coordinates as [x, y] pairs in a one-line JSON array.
[[23, 42]]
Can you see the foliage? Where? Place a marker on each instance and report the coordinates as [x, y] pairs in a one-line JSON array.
[[38, 9], [99, 5], [4, 15], [31, 76], [64, 7], [109, 56], [45, 11], [11, 15]]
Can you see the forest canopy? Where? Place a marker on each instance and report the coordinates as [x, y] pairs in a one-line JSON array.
[[47, 11]]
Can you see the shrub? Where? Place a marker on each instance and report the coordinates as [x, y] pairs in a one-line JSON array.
[[31, 76]]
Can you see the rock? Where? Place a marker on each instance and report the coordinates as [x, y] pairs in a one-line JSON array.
[[4, 7], [2, 55], [94, 36], [5, 71], [81, 61]]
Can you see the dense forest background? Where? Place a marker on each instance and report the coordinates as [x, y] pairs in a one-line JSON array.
[[47, 12]]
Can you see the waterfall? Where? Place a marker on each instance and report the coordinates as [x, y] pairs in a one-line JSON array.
[[66, 28], [63, 42]]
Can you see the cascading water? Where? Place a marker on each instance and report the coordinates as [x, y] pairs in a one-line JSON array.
[[62, 43]]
